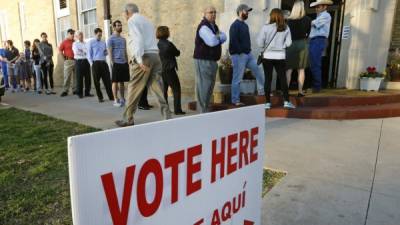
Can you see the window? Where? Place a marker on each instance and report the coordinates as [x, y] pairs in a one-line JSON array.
[[63, 24], [88, 18], [63, 4]]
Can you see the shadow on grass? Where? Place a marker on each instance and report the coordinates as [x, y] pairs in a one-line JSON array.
[[34, 168]]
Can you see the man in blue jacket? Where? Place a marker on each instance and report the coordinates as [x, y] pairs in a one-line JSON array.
[[240, 50]]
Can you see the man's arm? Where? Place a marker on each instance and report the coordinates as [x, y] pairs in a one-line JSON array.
[[234, 38], [321, 21], [61, 48], [209, 37], [136, 42], [90, 53]]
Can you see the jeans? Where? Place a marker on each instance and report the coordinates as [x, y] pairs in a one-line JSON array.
[[206, 72], [316, 49], [5, 74], [240, 63], [38, 77]]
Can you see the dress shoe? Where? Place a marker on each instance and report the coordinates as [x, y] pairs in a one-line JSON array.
[[144, 107], [122, 123], [180, 113], [62, 94]]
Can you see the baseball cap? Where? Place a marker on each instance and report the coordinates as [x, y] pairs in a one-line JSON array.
[[243, 7]]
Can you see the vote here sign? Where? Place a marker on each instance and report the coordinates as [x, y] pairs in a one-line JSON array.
[[198, 170]]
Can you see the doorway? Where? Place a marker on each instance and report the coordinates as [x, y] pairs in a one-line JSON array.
[[330, 62]]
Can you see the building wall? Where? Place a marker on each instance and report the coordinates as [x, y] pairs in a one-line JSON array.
[[396, 28], [182, 16], [368, 45]]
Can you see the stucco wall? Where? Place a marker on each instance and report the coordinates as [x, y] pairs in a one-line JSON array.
[[369, 42]]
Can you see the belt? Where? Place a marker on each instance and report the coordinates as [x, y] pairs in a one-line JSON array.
[[68, 58], [319, 37]]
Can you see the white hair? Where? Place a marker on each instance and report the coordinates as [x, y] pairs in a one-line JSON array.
[[298, 11], [132, 8]]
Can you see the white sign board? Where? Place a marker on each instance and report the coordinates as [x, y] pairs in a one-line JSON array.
[[199, 170]]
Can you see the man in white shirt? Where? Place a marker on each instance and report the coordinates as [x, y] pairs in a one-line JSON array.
[[82, 67], [145, 64]]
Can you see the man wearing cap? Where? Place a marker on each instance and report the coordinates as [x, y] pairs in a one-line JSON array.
[[207, 52], [320, 28], [69, 63], [240, 50]]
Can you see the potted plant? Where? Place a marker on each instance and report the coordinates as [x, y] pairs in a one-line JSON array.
[[370, 80], [394, 66], [225, 71], [248, 84]]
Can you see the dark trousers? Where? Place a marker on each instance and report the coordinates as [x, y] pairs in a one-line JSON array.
[[101, 71], [82, 69], [280, 68], [170, 79], [143, 99], [47, 70], [316, 50]]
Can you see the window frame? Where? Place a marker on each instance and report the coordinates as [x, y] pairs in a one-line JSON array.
[[81, 13]]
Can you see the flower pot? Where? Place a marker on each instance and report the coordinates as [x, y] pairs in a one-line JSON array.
[[370, 84], [225, 74], [248, 87], [395, 74]]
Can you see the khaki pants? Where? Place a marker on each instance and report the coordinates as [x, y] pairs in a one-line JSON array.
[[139, 79], [69, 73]]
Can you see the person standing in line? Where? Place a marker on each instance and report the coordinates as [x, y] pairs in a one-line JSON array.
[[97, 53], [168, 54], [146, 66], [207, 52], [297, 53], [21, 66], [36, 66], [46, 61], [320, 28], [275, 37], [12, 55], [82, 66], [116, 45], [28, 64], [240, 50], [69, 63], [3, 64]]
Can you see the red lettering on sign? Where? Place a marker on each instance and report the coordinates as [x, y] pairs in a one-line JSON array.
[[218, 158], [232, 151], [199, 222], [193, 168], [243, 146], [173, 160], [119, 216], [253, 144], [146, 208]]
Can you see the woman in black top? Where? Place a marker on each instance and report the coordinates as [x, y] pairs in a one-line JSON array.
[[168, 54], [297, 53], [36, 66]]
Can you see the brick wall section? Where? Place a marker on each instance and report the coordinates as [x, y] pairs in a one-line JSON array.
[[396, 28], [182, 17]]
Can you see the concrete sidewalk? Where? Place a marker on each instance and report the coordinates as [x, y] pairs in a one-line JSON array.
[[330, 164]]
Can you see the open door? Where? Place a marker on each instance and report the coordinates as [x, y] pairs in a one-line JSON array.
[[330, 62]]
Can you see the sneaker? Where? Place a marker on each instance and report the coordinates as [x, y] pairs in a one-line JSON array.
[[48, 92], [288, 105], [267, 106], [39, 92], [238, 104], [117, 104], [122, 102]]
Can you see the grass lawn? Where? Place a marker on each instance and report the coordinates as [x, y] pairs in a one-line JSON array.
[[34, 168], [34, 186]]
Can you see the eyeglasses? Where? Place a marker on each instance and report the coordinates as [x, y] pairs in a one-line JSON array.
[[212, 12]]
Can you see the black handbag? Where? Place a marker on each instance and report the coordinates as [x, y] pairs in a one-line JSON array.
[[261, 55]]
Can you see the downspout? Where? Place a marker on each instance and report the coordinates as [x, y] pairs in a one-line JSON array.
[[107, 19]]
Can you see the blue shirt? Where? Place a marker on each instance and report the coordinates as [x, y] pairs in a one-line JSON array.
[[97, 51], [239, 38], [118, 48], [320, 27], [27, 54]]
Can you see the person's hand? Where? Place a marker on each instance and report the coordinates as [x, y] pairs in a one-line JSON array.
[[144, 67]]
